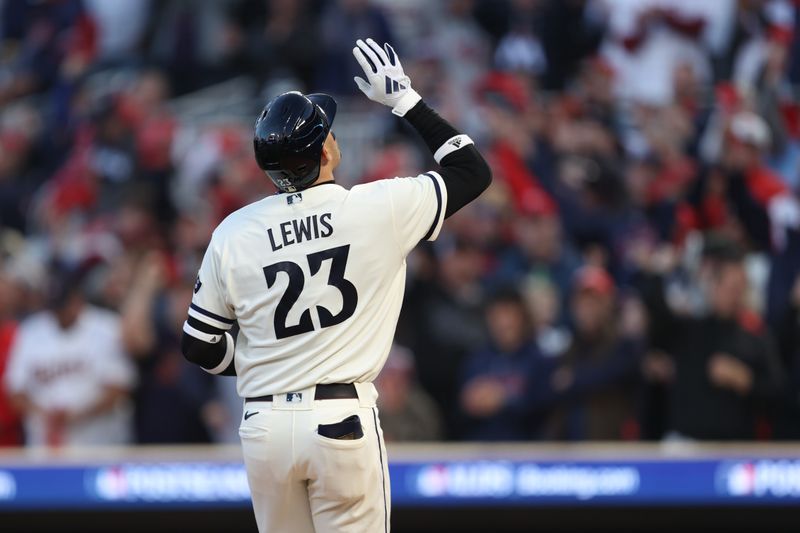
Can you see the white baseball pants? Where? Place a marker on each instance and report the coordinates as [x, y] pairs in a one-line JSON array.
[[303, 482]]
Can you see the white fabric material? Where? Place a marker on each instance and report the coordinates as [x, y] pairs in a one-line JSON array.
[[68, 370], [406, 102], [344, 247], [120, 25], [452, 144], [202, 335], [387, 84], [646, 75], [303, 482], [202, 317], [227, 358]]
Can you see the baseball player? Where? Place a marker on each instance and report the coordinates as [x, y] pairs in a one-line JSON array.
[[314, 276]]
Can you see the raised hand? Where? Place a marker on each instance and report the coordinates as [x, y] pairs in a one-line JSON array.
[[386, 82]]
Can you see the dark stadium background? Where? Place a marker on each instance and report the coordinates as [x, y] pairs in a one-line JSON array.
[[623, 301]]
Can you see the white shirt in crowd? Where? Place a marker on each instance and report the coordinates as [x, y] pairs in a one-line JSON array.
[[68, 369], [646, 74]]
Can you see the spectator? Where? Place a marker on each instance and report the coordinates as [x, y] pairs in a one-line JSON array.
[[281, 40], [188, 39], [720, 368], [746, 200], [734, 196], [68, 374], [442, 316], [146, 107], [54, 40], [346, 21], [462, 50], [496, 380], [595, 382], [520, 48], [544, 305], [14, 191], [787, 426], [648, 39], [408, 413], [541, 249], [174, 401], [120, 27]]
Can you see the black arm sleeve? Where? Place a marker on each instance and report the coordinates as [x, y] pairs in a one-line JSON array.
[[205, 354], [464, 172]]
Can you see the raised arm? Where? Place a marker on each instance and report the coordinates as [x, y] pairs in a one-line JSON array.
[[463, 170]]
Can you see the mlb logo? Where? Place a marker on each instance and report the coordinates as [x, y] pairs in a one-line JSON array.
[[294, 198], [294, 397]]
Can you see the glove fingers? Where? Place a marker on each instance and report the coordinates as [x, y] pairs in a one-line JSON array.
[[390, 53], [363, 85], [378, 51], [364, 62], [369, 53]]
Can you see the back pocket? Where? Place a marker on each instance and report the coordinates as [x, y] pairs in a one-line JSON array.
[[348, 429], [345, 434]]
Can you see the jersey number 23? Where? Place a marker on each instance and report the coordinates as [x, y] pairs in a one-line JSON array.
[[338, 258]]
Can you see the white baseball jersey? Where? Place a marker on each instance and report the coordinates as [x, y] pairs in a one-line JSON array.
[[316, 279], [68, 370]]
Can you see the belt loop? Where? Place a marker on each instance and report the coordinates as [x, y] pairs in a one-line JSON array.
[[367, 394]]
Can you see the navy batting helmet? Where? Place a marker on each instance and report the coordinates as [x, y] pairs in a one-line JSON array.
[[289, 135]]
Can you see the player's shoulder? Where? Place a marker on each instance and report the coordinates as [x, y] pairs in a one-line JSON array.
[[403, 190], [390, 185], [233, 223]]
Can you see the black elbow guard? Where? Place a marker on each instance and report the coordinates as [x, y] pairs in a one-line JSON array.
[[213, 358]]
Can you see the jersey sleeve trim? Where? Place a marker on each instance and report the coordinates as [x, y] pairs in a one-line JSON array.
[[436, 226], [227, 359], [210, 318], [203, 327], [451, 145], [201, 335]]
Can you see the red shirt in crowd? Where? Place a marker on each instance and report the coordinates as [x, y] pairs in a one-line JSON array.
[[10, 432]]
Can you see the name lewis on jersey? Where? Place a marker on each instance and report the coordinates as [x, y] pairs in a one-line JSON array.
[[300, 230]]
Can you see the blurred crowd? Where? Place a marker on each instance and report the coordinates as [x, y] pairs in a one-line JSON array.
[[633, 273]]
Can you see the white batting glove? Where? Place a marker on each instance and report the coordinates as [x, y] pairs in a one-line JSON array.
[[388, 84]]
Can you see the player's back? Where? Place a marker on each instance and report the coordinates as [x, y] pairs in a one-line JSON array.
[[315, 279]]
